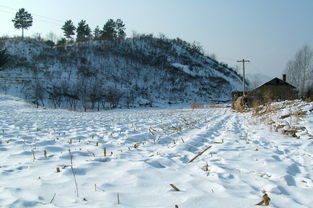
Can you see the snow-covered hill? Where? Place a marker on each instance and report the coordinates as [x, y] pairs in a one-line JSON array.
[[136, 71]]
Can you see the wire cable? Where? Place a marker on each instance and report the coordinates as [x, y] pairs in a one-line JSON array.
[[38, 17]]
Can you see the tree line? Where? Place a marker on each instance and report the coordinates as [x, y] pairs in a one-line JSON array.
[[299, 71], [111, 30], [86, 93]]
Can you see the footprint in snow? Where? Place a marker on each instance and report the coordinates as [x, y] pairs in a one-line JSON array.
[[155, 164], [293, 169], [277, 158], [290, 180], [54, 149], [78, 171]]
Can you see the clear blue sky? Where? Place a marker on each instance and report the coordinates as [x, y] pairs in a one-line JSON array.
[[268, 32]]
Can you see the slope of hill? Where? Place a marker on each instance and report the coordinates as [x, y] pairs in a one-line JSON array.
[[136, 71]]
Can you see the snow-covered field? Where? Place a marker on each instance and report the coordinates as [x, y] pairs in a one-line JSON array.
[[146, 151]]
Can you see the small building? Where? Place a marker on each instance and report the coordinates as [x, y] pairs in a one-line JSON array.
[[273, 90]]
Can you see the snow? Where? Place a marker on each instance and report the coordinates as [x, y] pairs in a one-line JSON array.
[[151, 149], [185, 68], [134, 67]]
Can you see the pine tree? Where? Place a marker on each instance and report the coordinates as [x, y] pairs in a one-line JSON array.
[[108, 31], [88, 32], [68, 29], [23, 20], [120, 29], [80, 30], [83, 31], [97, 33]]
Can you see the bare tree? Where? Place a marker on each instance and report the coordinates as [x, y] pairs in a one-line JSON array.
[[4, 86], [38, 93], [113, 96], [299, 69], [255, 81], [3, 58], [95, 93], [83, 92], [52, 37], [130, 98], [55, 95], [72, 95]]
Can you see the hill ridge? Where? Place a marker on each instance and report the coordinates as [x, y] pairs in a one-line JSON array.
[[131, 72]]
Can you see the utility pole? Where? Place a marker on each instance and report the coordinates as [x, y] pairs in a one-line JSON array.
[[243, 61]]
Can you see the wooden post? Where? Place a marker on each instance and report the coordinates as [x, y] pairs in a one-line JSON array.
[[243, 61]]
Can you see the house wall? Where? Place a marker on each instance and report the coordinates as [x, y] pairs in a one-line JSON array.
[[268, 93]]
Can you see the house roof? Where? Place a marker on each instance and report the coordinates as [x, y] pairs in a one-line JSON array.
[[276, 82]]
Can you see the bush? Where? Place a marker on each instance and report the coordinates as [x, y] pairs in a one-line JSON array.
[[49, 43], [61, 42], [3, 58]]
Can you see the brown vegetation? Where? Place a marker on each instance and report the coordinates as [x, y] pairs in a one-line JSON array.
[[196, 106]]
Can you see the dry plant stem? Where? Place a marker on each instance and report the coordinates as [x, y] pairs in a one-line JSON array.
[[174, 187], [74, 175], [118, 198], [53, 198], [266, 200], [91, 153], [34, 158], [221, 142], [200, 153]]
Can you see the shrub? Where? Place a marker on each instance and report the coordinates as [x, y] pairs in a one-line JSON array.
[[49, 43]]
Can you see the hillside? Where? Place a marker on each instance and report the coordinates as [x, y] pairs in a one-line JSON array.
[[136, 71]]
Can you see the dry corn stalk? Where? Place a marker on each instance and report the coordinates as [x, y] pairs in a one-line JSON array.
[[200, 153], [266, 200], [174, 187], [221, 142]]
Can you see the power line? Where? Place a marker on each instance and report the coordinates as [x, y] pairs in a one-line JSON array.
[[47, 21], [40, 17], [37, 19], [49, 18]]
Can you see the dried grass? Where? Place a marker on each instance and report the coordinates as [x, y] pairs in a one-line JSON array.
[[265, 201], [196, 106]]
